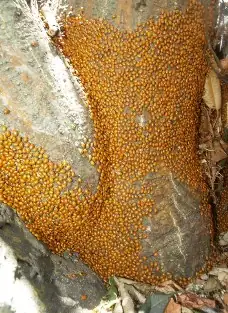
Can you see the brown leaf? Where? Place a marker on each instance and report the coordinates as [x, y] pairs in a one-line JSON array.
[[168, 286], [191, 300], [224, 63], [173, 307], [222, 275], [225, 298], [212, 284], [212, 91], [219, 152]]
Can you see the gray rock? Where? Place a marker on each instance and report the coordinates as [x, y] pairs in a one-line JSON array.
[[47, 282], [46, 102]]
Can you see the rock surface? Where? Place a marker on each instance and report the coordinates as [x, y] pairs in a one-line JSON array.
[[44, 104], [43, 100], [36, 280]]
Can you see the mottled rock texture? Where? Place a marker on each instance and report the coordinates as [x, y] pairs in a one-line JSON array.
[[54, 284]]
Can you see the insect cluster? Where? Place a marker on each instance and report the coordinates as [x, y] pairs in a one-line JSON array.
[[143, 90]]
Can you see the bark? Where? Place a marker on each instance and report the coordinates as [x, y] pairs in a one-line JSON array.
[[44, 99], [46, 103], [178, 231], [127, 14]]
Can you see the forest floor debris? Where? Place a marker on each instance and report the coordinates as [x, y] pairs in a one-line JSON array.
[[206, 294]]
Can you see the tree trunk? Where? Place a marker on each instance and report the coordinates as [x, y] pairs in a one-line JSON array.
[[44, 103]]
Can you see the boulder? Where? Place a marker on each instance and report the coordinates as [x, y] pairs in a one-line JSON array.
[[35, 280]]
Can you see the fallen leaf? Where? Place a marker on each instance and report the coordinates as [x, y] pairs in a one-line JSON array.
[[222, 242], [225, 237], [155, 303], [173, 307], [118, 308], [224, 63], [191, 300], [217, 270], [212, 284], [222, 275], [112, 290], [212, 91], [168, 287], [207, 310], [145, 289], [223, 278], [126, 301], [135, 294], [218, 152], [185, 310], [225, 298]]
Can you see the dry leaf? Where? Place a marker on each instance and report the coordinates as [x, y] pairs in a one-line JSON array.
[[212, 284], [222, 274], [185, 310], [135, 294], [118, 308], [225, 298], [223, 278], [212, 91], [126, 301], [217, 270], [225, 237], [173, 307], [168, 287], [145, 289], [155, 303], [224, 63], [219, 152], [191, 300]]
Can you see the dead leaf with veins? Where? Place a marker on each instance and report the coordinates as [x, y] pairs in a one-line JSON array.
[[173, 307], [193, 301]]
